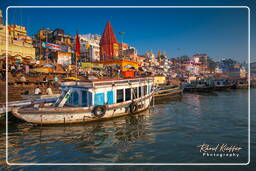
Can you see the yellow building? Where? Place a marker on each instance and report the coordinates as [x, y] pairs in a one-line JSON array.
[[158, 80], [125, 65], [20, 44]]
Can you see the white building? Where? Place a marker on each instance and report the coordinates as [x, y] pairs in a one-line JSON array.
[[218, 70], [192, 68], [90, 47]]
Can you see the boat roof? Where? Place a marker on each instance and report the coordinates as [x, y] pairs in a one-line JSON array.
[[101, 82]]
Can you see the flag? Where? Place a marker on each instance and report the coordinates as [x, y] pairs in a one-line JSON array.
[[77, 46]]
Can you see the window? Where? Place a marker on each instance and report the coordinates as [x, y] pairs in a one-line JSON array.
[[84, 98], [119, 95], [99, 99], [145, 90], [134, 93], [127, 94], [70, 98], [110, 97], [149, 89], [89, 98], [75, 98], [140, 91]]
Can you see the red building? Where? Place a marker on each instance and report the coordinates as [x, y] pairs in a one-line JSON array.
[[109, 47]]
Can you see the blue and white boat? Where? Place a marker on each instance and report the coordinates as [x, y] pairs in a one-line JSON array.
[[83, 101]]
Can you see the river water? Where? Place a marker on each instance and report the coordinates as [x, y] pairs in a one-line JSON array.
[[168, 133]]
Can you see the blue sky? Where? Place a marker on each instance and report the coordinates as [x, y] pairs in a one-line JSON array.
[[221, 33]]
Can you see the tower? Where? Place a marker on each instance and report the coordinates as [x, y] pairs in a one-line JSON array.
[[109, 47]]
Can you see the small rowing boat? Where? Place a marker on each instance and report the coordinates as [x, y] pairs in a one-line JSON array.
[[169, 91]]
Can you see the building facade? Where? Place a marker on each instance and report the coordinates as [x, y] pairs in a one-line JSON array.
[[19, 43], [89, 47], [54, 47]]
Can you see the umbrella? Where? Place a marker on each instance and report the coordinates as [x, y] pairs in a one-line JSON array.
[[71, 78], [49, 66], [42, 69]]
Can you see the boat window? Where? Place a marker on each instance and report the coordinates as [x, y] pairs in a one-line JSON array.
[[140, 91], [89, 98], [127, 94], [84, 98], [119, 95], [134, 93], [99, 99], [149, 88], [110, 97], [70, 98], [75, 98], [145, 89]]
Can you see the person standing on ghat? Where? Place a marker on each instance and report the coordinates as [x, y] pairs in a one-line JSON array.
[[38, 91], [49, 90]]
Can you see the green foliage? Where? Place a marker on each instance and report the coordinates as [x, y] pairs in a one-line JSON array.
[[211, 64], [182, 59]]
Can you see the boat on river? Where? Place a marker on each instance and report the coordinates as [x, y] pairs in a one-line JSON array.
[[47, 100], [199, 86], [167, 91], [84, 101], [240, 84], [221, 84]]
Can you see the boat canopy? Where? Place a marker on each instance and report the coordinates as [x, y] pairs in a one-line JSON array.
[[91, 93]]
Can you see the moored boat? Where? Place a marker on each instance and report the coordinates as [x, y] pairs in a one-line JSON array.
[[241, 84], [221, 84], [83, 101], [199, 86], [47, 100], [164, 91]]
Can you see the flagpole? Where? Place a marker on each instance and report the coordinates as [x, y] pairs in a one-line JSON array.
[[76, 54], [77, 51]]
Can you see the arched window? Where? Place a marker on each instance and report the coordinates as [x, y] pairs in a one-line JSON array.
[[75, 98]]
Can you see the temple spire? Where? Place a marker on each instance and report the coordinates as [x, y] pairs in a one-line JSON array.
[[108, 44]]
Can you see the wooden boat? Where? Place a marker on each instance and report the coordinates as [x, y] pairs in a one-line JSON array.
[[83, 101], [22, 103], [199, 86], [167, 91], [46, 96], [221, 84], [240, 84], [205, 89]]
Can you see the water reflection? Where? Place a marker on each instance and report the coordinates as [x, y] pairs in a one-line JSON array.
[[87, 138]]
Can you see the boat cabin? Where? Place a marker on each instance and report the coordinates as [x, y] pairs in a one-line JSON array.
[[93, 93]]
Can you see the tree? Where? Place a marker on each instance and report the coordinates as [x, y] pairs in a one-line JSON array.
[[211, 64], [183, 59]]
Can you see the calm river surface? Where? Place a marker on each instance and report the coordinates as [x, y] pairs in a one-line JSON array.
[[168, 134]]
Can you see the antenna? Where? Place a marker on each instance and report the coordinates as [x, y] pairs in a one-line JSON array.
[[121, 34]]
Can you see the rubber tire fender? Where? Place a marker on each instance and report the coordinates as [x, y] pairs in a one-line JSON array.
[[99, 111], [133, 107]]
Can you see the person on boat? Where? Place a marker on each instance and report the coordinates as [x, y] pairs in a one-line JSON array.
[[38, 91], [49, 91], [55, 81]]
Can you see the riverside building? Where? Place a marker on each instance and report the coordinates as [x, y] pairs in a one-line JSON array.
[[20, 44]]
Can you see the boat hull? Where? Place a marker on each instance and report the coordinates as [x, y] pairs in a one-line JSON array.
[[78, 115], [168, 92], [199, 89]]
